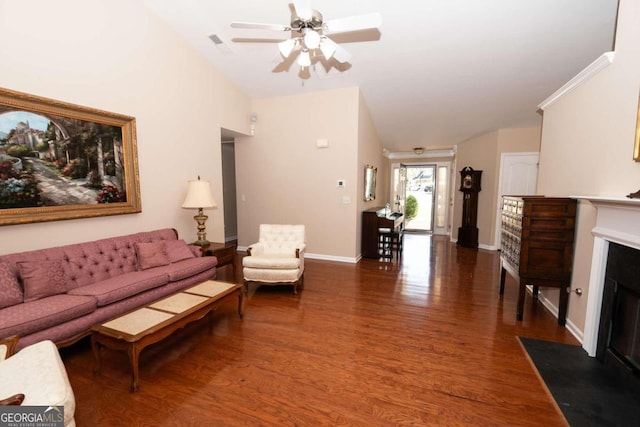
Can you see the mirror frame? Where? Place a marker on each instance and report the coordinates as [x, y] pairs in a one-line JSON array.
[[370, 173], [636, 146]]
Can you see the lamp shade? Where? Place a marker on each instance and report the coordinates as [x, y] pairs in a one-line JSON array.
[[328, 47], [199, 196], [287, 46], [304, 60]]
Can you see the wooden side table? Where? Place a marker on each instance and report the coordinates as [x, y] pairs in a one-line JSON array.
[[225, 252]]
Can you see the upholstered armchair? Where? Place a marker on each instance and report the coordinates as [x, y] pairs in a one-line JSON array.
[[277, 257], [35, 376]]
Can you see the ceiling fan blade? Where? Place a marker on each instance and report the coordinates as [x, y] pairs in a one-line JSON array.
[[341, 54], [331, 49], [257, 26], [353, 23], [303, 9]]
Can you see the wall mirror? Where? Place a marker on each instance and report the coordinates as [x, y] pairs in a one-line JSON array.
[[369, 183]]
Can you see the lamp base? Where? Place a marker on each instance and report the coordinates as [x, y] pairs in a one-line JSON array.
[[201, 218]]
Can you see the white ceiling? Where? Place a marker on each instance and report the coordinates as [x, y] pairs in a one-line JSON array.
[[436, 73]]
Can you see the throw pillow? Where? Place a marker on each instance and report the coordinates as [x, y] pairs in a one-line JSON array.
[[177, 250], [151, 255], [42, 279], [10, 293]]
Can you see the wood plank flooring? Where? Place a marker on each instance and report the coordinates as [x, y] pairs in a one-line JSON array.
[[424, 342]]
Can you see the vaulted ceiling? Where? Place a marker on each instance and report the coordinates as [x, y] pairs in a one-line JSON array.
[[434, 74]]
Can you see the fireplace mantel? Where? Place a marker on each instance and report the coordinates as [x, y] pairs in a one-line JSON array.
[[617, 220]]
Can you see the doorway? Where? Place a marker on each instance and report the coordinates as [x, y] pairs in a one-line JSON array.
[[518, 176], [428, 186], [229, 190], [419, 197]]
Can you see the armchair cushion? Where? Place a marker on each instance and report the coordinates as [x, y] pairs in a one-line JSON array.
[[277, 262]]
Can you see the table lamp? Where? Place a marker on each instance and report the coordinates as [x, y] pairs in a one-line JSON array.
[[199, 197]]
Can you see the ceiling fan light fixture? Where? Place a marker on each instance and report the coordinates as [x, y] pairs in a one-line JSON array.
[[304, 60], [286, 47], [311, 39], [327, 47]]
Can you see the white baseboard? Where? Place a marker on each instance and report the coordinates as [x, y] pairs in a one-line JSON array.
[[575, 331], [349, 260], [480, 246]]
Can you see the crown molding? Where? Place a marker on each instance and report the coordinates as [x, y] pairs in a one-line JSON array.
[[591, 70]]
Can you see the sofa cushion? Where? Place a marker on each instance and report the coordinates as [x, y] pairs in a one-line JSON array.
[[123, 286], [189, 267], [10, 293], [151, 255], [177, 250], [42, 279], [29, 317]]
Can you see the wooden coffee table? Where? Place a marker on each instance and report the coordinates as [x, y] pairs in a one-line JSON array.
[[147, 325]]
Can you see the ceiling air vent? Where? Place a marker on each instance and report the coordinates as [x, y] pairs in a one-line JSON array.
[[214, 38], [219, 43]]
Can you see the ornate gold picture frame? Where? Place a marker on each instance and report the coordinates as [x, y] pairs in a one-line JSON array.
[[62, 161]]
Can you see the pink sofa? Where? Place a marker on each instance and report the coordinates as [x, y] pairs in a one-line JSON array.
[[59, 293]]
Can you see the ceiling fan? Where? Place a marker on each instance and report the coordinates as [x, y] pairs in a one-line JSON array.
[[309, 33]]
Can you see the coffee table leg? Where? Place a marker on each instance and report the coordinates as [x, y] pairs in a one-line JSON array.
[[134, 358], [240, 303], [95, 346]]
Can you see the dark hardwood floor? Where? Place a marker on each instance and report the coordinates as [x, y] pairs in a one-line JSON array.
[[425, 341]]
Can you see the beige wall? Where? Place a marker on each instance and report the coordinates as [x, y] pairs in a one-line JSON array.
[[480, 154], [282, 177], [369, 153], [485, 153], [118, 56], [587, 144]]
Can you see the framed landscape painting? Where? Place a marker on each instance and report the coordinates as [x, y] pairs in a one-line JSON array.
[[63, 161]]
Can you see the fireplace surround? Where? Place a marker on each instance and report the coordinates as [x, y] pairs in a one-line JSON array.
[[617, 221]]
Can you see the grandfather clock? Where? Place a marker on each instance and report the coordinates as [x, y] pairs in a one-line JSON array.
[[470, 187]]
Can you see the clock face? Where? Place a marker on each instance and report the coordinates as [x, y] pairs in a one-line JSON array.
[[467, 182]]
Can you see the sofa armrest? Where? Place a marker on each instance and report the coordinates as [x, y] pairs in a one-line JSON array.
[[8, 347], [14, 400]]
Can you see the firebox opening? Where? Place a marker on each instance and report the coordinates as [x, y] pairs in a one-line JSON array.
[[619, 333]]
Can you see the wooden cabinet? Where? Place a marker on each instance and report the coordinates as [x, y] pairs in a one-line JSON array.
[[537, 235]]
